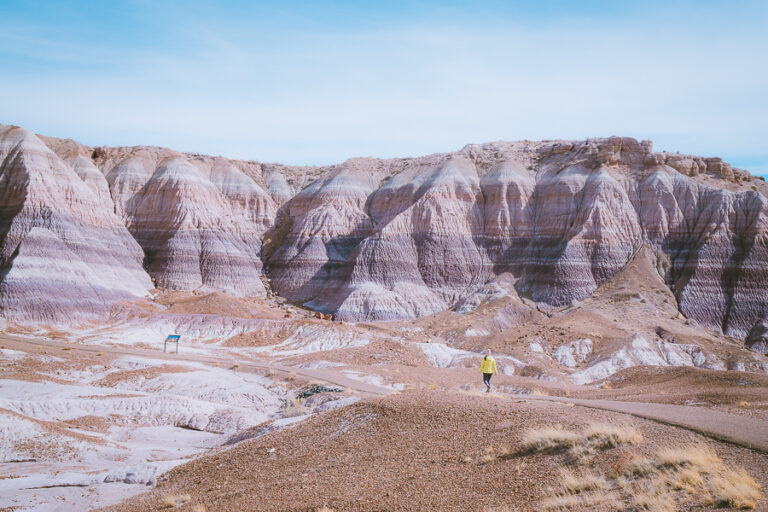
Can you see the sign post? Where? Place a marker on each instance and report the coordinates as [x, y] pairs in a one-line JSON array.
[[172, 338]]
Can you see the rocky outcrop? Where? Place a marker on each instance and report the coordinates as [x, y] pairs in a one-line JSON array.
[[388, 239], [322, 225], [64, 255], [562, 217], [758, 337], [200, 223], [715, 240]]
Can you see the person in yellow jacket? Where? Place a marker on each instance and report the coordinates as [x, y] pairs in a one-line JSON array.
[[488, 369]]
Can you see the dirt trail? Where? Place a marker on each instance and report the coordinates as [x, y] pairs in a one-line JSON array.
[[743, 431], [747, 432]]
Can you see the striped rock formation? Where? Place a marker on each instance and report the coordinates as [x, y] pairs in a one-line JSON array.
[[199, 220], [377, 239], [64, 255], [562, 217]]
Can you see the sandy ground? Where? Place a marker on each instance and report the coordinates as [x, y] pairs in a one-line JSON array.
[[419, 450]]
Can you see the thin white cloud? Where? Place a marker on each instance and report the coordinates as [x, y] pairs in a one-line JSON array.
[[323, 96]]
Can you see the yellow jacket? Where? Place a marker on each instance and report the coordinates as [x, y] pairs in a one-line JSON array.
[[488, 365]]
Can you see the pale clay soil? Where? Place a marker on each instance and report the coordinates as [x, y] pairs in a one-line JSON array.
[[419, 439], [407, 451]]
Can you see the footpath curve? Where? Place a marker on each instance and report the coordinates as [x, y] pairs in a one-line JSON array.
[[748, 432]]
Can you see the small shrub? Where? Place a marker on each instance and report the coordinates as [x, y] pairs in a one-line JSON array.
[[294, 407], [316, 389]]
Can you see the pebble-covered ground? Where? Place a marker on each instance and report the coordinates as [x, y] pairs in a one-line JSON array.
[[418, 450]]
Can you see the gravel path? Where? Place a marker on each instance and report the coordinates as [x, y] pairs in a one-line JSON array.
[[749, 432]]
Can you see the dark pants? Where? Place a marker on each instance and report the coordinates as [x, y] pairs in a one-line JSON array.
[[487, 379]]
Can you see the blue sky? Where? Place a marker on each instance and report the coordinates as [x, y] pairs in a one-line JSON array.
[[319, 82]]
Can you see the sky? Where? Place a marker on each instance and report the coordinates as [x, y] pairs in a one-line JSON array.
[[319, 82]]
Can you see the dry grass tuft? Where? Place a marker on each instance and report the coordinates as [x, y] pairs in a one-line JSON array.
[[174, 500], [549, 439], [636, 467], [199, 508], [734, 489], [576, 502], [654, 499], [485, 459], [704, 459], [581, 446], [580, 453], [611, 436], [682, 479], [577, 483], [325, 509], [679, 478]]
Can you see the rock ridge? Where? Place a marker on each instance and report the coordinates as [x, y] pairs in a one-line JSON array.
[[388, 239]]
